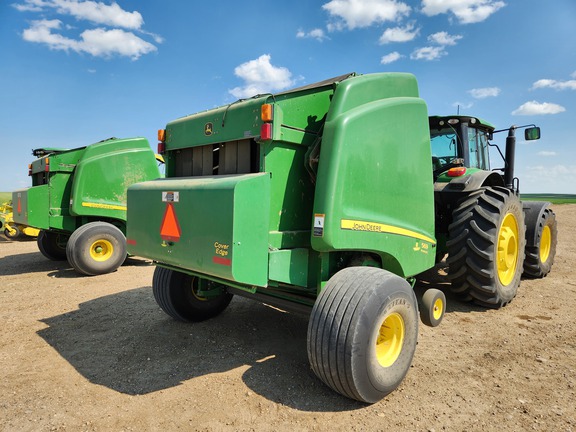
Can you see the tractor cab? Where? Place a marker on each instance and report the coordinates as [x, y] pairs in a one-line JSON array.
[[459, 141]]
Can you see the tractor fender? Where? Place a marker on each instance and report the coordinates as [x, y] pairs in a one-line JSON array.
[[533, 211], [474, 181]]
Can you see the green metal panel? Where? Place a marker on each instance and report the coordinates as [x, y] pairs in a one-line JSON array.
[[221, 230], [289, 266], [374, 189], [104, 173], [30, 207]]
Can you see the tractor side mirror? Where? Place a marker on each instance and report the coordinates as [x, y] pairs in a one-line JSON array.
[[532, 133]]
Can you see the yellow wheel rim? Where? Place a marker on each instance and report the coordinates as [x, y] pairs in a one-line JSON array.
[[195, 288], [390, 339], [101, 250], [545, 244], [438, 309], [507, 253]]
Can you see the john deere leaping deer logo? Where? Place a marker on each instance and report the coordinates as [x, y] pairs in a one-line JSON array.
[[208, 129]]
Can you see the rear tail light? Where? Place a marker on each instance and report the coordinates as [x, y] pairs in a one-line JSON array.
[[266, 131]]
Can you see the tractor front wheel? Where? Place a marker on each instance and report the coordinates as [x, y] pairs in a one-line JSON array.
[[486, 247], [188, 298], [362, 333], [96, 248], [52, 245]]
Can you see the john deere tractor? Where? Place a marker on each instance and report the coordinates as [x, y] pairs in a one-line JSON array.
[[491, 237]]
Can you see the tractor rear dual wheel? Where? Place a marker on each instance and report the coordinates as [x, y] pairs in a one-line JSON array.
[[486, 247], [362, 333], [96, 248], [541, 240]]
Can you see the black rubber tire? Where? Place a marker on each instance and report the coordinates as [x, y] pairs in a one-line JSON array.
[[540, 256], [52, 245], [12, 235], [344, 326], [432, 307], [96, 248], [479, 226], [175, 293]]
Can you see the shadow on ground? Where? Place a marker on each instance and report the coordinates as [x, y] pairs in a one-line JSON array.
[[126, 343]]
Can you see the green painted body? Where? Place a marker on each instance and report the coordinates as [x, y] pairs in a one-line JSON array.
[[73, 187], [345, 173]]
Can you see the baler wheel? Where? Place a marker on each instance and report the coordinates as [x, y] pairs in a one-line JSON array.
[[362, 333], [541, 249], [432, 308], [52, 245], [486, 247], [179, 295], [96, 248]]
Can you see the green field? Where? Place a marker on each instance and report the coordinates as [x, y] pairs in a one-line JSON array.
[[5, 196], [553, 198]]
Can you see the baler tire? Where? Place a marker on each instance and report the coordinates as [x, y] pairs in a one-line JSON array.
[[52, 245], [176, 294], [433, 307], [362, 333], [486, 247], [96, 248], [540, 252], [14, 234]]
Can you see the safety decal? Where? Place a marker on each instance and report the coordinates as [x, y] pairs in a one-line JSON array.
[[170, 228], [319, 225]]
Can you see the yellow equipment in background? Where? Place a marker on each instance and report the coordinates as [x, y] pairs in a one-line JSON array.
[[13, 230]]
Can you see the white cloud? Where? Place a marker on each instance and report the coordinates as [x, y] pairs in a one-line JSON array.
[[261, 77], [317, 34], [443, 38], [428, 53], [399, 34], [547, 153], [558, 85], [462, 105], [391, 58], [573, 75], [97, 12], [537, 108], [364, 13], [466, 11], [482, 93], [97, 42]]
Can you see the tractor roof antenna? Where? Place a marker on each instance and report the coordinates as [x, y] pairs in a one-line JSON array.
[[458, 110]]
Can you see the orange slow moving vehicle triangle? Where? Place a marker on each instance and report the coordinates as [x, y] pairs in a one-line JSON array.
[[170, 228]]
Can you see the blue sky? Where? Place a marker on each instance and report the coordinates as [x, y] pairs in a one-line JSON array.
[[74, 72]]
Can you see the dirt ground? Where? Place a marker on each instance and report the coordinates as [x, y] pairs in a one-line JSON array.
[[97, 354]]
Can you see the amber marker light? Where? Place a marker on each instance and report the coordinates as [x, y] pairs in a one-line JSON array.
[[162, 141], [267, 113], [456, 172]]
